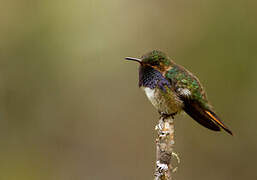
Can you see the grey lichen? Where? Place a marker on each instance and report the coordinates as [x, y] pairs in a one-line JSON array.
[[165, 144]]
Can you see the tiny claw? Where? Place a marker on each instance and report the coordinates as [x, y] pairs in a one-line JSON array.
[[165, 116]]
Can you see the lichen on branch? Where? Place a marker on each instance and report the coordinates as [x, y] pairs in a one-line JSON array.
[[164, 148]]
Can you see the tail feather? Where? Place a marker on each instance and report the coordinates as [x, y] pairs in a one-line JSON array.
[[205, 117]]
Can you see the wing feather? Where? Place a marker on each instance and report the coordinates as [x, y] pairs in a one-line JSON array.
[[195, 101]]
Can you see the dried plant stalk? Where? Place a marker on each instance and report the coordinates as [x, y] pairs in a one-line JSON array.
[[164, 152]]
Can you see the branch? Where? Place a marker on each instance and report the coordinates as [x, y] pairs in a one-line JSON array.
[[165, 144]]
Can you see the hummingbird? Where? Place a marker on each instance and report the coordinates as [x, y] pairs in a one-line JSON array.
[[173, 89]]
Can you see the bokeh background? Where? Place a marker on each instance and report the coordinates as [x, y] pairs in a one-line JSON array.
[[70, 108]]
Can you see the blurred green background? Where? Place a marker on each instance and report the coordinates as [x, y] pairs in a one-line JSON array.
[[70, 108]]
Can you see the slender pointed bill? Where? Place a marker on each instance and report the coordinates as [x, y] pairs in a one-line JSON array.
[[133, 59]]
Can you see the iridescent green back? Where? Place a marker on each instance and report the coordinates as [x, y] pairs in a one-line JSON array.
[[182, 78]]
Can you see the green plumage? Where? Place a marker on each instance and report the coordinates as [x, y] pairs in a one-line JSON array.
[[182, 78]]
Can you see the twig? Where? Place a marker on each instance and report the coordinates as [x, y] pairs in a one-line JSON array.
[[164, 152]]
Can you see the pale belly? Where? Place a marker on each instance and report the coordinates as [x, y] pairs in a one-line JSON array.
[[165, 102]]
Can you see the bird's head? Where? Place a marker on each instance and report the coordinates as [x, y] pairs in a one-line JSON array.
[[156, 59]]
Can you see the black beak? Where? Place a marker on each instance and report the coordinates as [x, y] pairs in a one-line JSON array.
[[133, 59]]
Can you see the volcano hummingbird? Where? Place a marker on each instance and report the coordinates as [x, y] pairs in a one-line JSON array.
[[171, 89]]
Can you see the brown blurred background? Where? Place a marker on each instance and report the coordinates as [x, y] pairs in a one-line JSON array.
[[70, 108]]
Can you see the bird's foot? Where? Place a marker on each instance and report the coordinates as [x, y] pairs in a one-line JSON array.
[[165, 116]]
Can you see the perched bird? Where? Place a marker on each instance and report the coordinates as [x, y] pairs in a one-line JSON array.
[[172, 89]]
